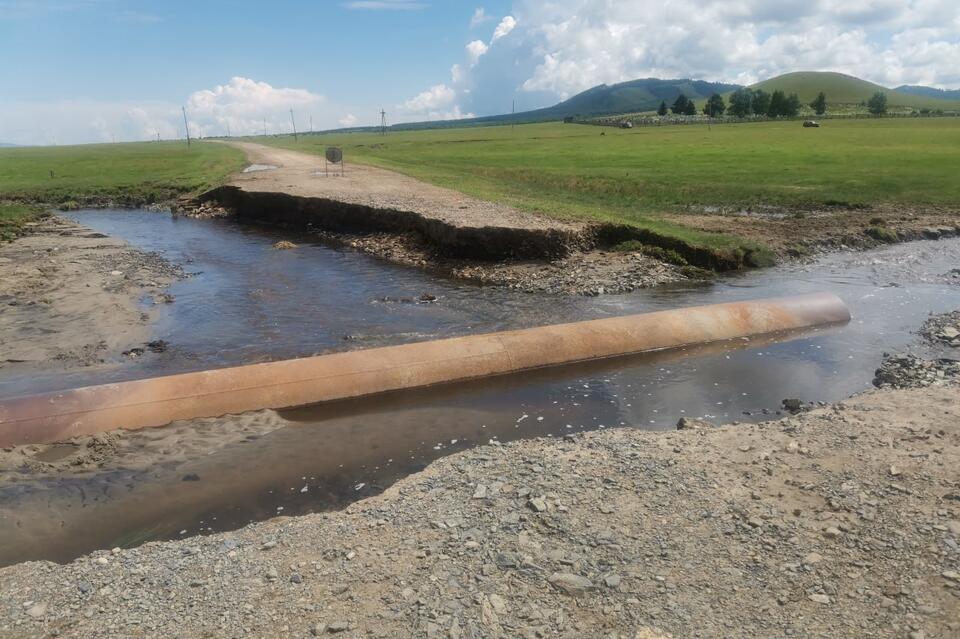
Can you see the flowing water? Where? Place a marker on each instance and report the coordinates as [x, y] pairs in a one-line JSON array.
[[248, 302]]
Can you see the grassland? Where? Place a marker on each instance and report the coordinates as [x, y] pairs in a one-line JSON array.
[[131, 173], [649, 175]]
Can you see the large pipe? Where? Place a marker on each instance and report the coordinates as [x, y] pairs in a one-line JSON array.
[[161, 400]]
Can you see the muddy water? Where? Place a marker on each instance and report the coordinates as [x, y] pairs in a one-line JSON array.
[[249, 302]]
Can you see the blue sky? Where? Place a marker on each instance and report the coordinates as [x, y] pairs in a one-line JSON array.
[[93, 70]]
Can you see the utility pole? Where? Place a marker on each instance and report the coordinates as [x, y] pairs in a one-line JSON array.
[[186, 127], [264, 127], [383, 121], [228, 129], [513, 112], [158, 137], [311, 123], [294, 123]]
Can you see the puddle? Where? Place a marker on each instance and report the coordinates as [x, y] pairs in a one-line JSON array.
[[247, 302], [253, 168]]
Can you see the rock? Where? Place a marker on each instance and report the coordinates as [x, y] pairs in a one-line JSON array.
[[819, 598], [538, 504], [570, 583], [895, 471], [37, 610], [832, 532], [338, 626], [480, 492], [268, 545], [295, 578], [687, 423], [793, 405], [284, 245], [813, 558]]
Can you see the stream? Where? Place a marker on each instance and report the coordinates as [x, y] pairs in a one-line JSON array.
[[247, 302]]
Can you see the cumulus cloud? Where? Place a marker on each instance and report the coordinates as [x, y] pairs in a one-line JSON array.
[[504, 28], [242, 105], [348, 120], [475, 50], [436, 103], [580, 43]]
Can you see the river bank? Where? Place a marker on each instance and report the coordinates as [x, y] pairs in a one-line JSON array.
[[840, 522], [75, 298]]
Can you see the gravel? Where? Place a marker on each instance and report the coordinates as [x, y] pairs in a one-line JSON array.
[[840, 521]]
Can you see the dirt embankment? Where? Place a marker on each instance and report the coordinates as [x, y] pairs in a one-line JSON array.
[[71, 297], [840, 522]]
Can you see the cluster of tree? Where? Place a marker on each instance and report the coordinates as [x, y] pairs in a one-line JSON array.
[[744, 102], [683, 105], [877, 105]]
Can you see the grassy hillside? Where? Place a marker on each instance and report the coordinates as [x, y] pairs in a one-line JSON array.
[[846, 89], [135, 173], [651, 176]]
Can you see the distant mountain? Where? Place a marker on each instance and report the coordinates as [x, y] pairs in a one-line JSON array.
[[6, 145], [846, 89], [929, 92], [626, 97]]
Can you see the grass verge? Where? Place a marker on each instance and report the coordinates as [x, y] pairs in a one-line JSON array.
[[127, 174]]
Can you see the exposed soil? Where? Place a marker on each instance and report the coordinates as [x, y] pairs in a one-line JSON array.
[[587, 272], [838, 522], [71, 297], [796, 233], [302, 175]]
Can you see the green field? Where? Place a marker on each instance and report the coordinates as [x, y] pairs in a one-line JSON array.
[[651, 176], [131, 173]]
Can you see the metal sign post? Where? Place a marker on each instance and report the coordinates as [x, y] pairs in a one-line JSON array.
[[333, 155]]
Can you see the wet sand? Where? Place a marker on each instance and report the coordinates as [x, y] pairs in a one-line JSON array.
[[73, 298]]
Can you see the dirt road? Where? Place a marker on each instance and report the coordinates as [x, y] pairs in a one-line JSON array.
[[302, 174]]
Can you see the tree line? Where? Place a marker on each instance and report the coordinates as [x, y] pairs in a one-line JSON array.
[[745, 102]]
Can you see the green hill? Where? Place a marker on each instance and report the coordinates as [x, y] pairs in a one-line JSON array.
[[846, 89], [626, 97]]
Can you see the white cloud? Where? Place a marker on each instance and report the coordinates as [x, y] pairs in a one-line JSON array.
[[242, 105], [479, 17], [348, 120], [436, 103], [503, 29], [386, 5], [475, 50]]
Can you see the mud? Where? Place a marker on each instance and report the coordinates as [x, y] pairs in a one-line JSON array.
[[74, 298]]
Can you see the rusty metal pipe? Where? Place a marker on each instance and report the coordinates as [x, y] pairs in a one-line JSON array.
[[161, 400]]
